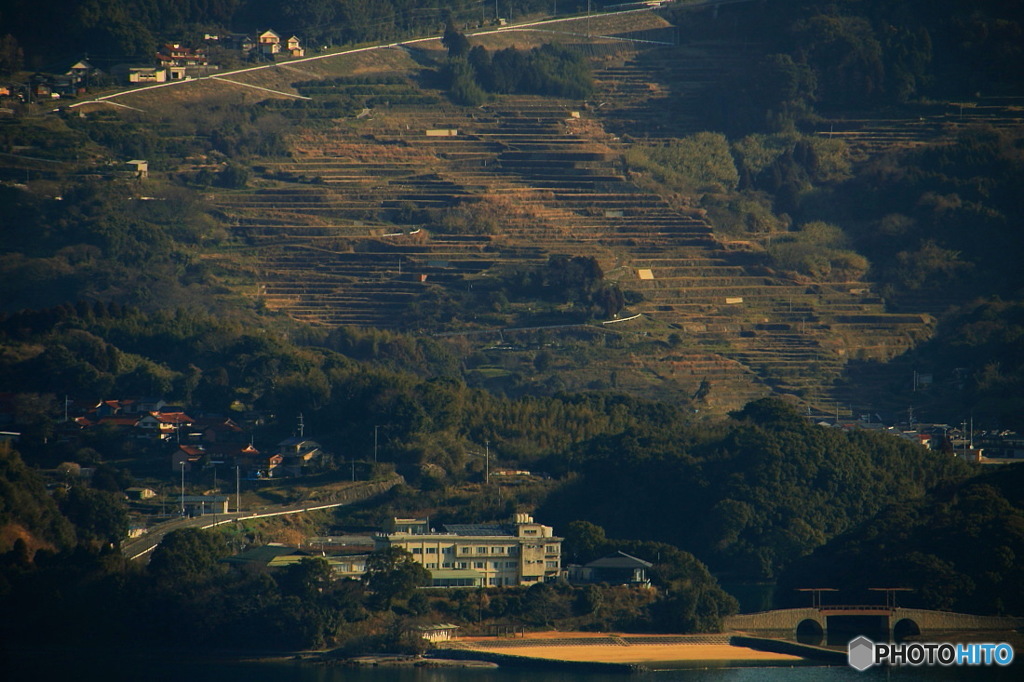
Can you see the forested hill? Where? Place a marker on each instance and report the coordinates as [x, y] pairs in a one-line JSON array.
[[859, 54], [747, 500], [959, 549]]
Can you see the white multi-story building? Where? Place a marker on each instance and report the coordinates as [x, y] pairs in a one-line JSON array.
[[520, 552]]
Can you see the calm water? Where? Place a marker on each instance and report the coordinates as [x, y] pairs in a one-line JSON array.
[[84, 668]]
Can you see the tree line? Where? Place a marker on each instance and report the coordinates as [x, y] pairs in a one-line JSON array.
[[473, 73], [956, 548], [747, 498], [830, 56]]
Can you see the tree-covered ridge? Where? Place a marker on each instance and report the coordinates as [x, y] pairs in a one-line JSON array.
[[27, 512], [957, 548], [766, 490], [343, 382], [101, 241], [824, 56], [940, 219], [977, 360]]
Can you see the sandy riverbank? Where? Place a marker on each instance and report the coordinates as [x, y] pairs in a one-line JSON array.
[[648, 651]]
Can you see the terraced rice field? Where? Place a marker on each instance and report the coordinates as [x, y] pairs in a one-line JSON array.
[[326, 247]]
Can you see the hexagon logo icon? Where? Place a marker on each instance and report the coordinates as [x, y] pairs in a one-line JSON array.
[[861, 653]]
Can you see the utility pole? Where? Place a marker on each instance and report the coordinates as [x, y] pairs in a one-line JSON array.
[[487, 462], [238, 488], [183, 487], [375, 427]]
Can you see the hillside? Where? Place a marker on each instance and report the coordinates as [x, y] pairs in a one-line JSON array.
[[342, 229], [350, 191]]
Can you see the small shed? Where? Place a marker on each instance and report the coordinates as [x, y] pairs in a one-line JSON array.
[[441, 632], [139, 493], [147, 74], [140, 167], [617, 569], [199, 505]]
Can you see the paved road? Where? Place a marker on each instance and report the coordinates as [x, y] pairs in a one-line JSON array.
[[142, 546]]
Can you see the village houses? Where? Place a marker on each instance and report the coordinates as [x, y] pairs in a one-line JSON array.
[[175, 61]]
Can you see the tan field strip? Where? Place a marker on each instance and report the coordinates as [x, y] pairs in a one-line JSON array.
[[650, 653], [626, 651]]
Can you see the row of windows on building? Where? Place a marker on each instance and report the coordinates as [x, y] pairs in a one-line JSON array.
[[494, 565], [509, 550], [485, 565]]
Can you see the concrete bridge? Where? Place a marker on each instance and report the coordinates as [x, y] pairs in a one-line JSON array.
[[816, 622]]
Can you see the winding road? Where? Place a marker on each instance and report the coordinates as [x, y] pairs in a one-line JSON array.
[[140, 547]]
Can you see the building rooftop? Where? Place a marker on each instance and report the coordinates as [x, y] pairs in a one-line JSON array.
[[619, 560], [477, 529]]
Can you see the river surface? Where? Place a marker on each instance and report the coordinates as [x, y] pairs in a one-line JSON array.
[[83, 667]]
